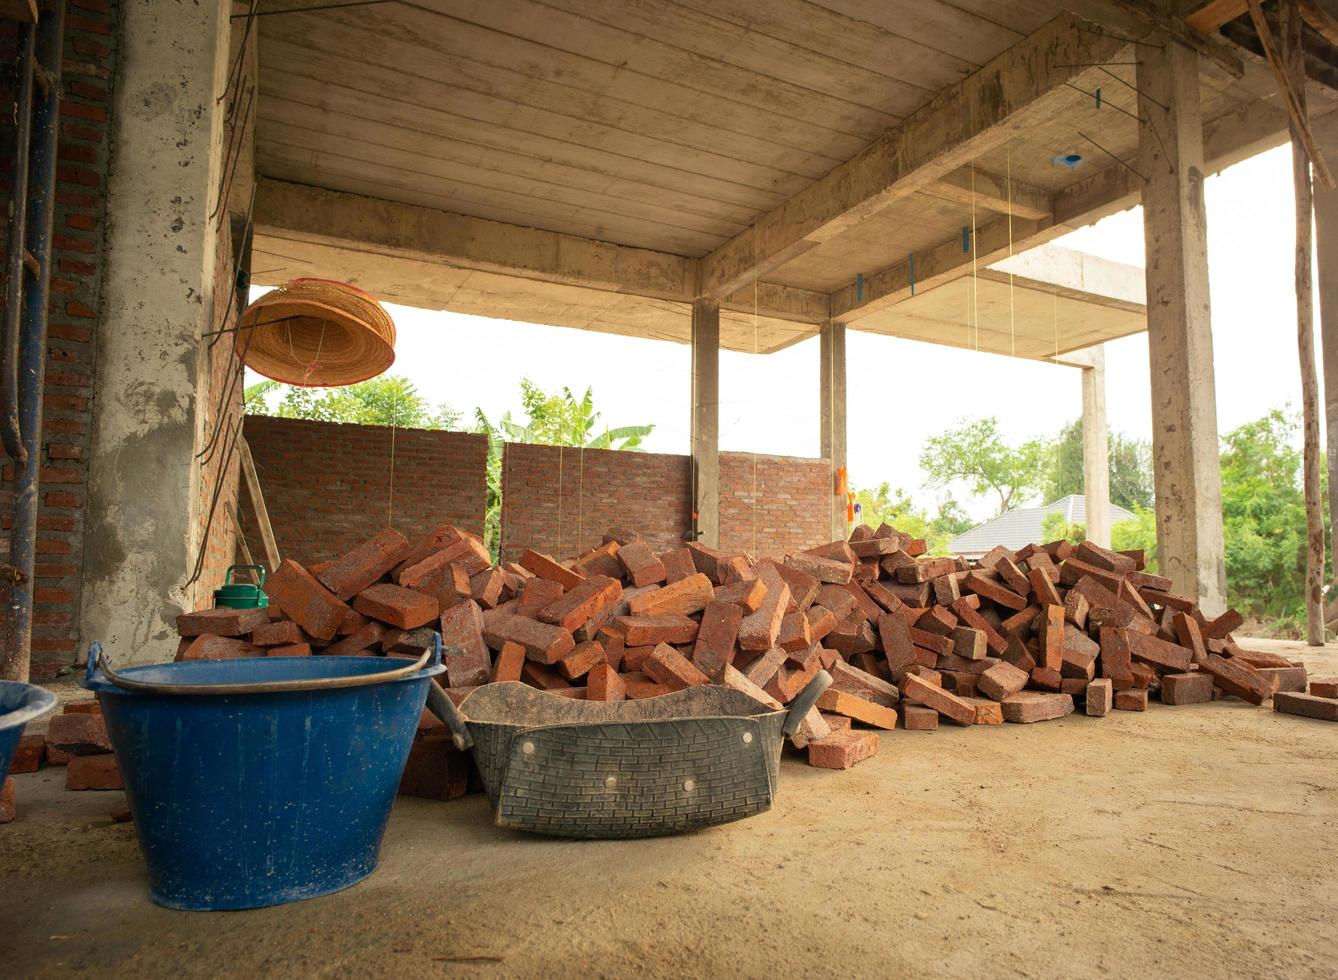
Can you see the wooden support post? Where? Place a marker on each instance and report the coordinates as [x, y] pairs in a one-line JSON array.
[[1180, 345], [832, 417], [1294, 61], [706, 420], [1326, 234], [241, 535], [1096, 449], [258, 503]]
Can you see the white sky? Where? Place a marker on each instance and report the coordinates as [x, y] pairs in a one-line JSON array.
[[466, 361]]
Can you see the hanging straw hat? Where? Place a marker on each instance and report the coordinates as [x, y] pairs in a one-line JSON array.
[[317, 333]]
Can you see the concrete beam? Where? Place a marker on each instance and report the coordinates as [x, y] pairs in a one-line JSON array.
[[1073, 273], [832, 415], [706, 420], [993, 193], [1022, 84], [1227, 140], [1096, 448], [143, 527], [1185, 448], [387, 231]]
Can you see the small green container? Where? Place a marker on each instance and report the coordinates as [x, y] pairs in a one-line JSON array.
[[242, 595]]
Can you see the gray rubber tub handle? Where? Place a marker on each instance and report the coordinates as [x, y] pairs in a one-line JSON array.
[[805, 700], [444, 708]]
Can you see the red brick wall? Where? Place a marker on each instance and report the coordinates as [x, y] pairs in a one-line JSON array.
[[328, 486], [89, 72], [771, 505], [561, 500]]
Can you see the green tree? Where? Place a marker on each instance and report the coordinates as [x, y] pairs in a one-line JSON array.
[[390, 399], [1130, 468], [882, 505], [1055, 526], [1138, 533], [976, 454]]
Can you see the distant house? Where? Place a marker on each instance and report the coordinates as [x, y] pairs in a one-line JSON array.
[[1025, 525]]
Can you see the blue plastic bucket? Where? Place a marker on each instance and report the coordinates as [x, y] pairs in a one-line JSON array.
[[246, 797], [19, 704]]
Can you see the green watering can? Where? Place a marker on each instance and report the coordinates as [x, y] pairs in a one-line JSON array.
[[242, 595]]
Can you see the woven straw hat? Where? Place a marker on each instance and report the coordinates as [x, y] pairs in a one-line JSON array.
[[317, 333]]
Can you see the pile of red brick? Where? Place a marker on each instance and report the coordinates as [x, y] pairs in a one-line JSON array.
[[1017, 636], [77, 739]]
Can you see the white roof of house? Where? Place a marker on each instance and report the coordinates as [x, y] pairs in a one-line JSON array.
[[1024, 525]]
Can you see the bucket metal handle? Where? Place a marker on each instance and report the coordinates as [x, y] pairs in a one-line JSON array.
[[97, 660], [805, 700]]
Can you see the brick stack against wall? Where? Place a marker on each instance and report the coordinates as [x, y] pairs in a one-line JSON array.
[[560, 500], [772, 505], [76, 280], [327, 486]]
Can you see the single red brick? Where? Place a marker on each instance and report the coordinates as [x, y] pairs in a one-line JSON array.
[[354, 571], [641, 564], [221, 621], [580, 661], [1131, 699], [670, 668], [93, 772], [1306, 705], [542, 676], [581, 603], [650, 630], [841, 750], [748, 594], [464, 653], [545, 567], [538, 594], [1324, 687], [682, 598], [280, 633], [486, 587], [677, 565], [1193, 688], [509, 663], [361, 642], [715, 639], [291, 650], [30, 755], [916, 718], [1100, 696], [396, 605], [304, 600], [759, 629], [1026, 707], [603, 683], [435, 770], [919, 691], [543, 643], [209, 647]]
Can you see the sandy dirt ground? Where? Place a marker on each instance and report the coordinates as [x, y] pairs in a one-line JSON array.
[[1186, 841]]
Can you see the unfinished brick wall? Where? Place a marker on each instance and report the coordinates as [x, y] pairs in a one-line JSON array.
[[773, 505], [328, 486], [561, 500], [76, 280]]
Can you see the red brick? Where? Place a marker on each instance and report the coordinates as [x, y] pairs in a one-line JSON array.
[[78, 734], [1194, 688], [1221, 627], [359, 642], [715, 638], [603, 683], [485, 587], [435, 770], [545, 567], [747, 595], [586, 600], [1291, 680], [509, 663], [650, 630], [290, 650], [677, 564], [361, 567], [542, 676], [1027, 707], [221, 621], [396, 605], [918, 691], [93, 772], [1132, 699], [537, 594], [670, 668], [1324, 688], [682, 598], [1306, 705], [464, 653], [582, 660], [642, 565], [823, 569], [276, 634], [759, 630], [857, 709], [543, 643], [206, 646], [1001, 681], [916, 718], [29, 755], [1238, 679], [1100, 696], [305, 601], [842, 750]]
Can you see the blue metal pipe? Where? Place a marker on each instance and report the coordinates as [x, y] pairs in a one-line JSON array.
[[16, 649]]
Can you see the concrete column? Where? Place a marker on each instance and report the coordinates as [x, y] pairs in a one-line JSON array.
[[143, 509], [832, 414], [1180, 345], [706, 420], [1326, 291], [1096, 449]]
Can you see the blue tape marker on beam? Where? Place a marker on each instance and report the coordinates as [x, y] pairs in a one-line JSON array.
[[859, 287], [912, 275], [966, 238], [1098, 98]]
